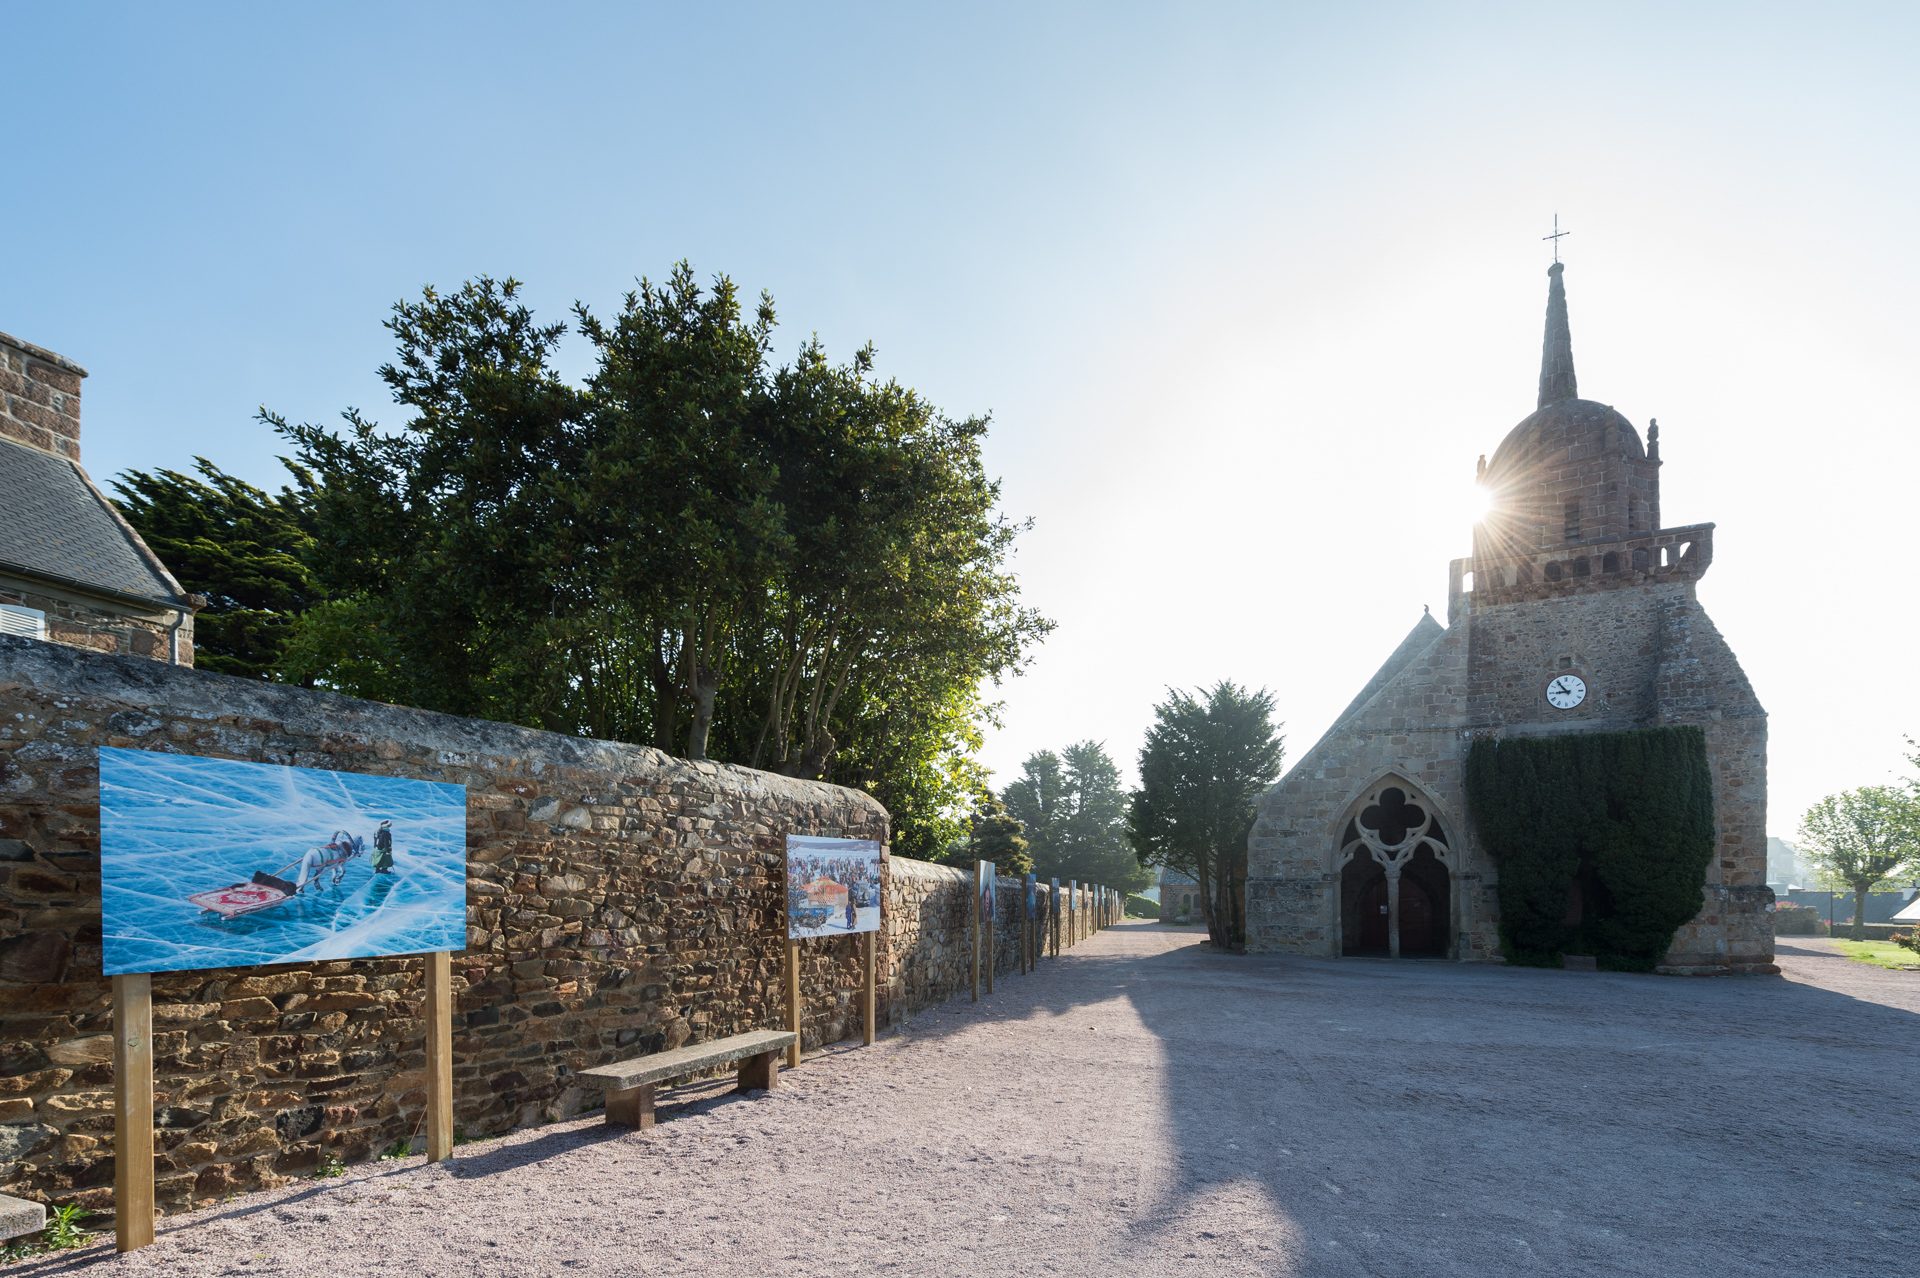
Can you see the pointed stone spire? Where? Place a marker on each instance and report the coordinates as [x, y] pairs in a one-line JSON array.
[[1556, 355]]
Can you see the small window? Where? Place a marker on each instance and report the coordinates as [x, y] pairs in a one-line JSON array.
[[28, 623], [1632, 518], [1642, 560], [1573, 522], [1466, 583], [1582, 567], [1610, 563], [1553, 572]]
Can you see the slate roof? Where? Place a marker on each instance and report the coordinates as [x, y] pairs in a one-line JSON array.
[[58, 525]]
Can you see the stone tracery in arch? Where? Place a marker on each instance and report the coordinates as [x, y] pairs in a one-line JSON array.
[[1391, 823]]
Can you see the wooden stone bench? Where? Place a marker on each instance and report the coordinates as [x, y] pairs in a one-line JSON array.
[[629, 1084]]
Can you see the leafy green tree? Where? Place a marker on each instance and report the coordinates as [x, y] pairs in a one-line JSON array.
[[1862, 838], [996, 836], [463, 581], [679, 484], [1205, 759], [795, 568], [1075, 811], [1039, 801], [246, 550]]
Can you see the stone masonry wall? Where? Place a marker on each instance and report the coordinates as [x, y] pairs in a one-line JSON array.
[[929, 918], [1412, 729], [39, 397], [1650, 656], [619, 901], [100, 629]]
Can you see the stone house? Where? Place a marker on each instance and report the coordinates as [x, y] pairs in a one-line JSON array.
[[72, 570], [1576, 612], [1179, 897]]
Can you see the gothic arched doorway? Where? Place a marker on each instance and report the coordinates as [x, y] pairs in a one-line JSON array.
[[1396, 884]]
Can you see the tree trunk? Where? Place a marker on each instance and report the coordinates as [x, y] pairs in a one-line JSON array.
[[1859, 915], [666, 699], [1203, 872], [703, 682], [706, 685]]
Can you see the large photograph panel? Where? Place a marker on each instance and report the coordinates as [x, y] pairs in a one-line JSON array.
[[833, 886], [215, 863]]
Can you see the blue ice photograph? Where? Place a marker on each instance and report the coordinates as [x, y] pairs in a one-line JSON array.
[[216, 863]]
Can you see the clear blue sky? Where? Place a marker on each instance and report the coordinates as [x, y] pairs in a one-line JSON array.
[[1246, 288]]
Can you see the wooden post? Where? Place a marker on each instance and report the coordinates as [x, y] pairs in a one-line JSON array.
[[986, 924], [976, 931], [866, 994], [759, 1073], [793, 1001], [439, 1056], [132, 1111], [632, 1106]]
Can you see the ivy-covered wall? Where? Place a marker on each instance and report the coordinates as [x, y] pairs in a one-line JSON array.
[[1602, 841]]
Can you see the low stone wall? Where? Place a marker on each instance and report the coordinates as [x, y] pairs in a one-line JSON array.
[[620, 901], [1874, 931], [930, 931]]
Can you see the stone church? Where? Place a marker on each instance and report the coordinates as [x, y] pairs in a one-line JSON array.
[[1575, 613]]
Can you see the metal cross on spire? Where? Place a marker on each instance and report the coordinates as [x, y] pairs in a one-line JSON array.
[[1556, 237]]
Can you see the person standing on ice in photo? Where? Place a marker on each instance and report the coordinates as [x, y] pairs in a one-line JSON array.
[[309, 867], [383, 849]]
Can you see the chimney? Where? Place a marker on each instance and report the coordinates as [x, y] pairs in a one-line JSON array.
[[39, 398]]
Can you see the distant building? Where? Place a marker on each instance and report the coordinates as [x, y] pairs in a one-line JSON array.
[[1179, 898], [1783, 865], [72, 570]]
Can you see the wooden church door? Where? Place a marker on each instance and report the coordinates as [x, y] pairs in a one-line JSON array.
[[1373, 915]]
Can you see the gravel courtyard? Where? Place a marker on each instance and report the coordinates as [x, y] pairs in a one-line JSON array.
[[1145, 1106]]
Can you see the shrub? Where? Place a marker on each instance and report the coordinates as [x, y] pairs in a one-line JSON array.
[[1628, 816]]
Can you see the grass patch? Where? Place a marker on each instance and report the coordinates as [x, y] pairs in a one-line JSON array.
[[1880, 954]]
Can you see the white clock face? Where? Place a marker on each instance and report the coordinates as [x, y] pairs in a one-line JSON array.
[[1566, 692]]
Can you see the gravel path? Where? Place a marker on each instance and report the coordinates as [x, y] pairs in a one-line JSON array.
[[1146, 1106]]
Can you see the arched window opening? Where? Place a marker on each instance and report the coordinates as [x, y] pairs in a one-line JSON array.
[[1610, 562], [1395, 876]]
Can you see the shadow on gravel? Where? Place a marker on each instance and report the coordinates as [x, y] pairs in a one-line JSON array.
[[1433, 1116]]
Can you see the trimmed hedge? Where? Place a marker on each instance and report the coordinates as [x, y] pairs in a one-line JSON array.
[[1628, 816]]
